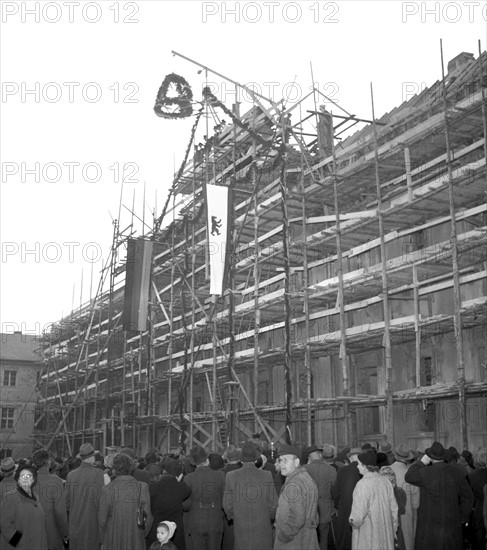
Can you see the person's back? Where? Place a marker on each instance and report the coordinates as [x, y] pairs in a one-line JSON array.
[[50, 489], [167, 496], [445, 502], [250, 500], [83, 492], [204, 506], [342, 492]]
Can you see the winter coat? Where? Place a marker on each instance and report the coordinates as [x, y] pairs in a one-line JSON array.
[[478, 480], [22, 522], [446, 501], [117, 516], [324, 475], [250, 499], [166, 501], [204, 506], [7, 485], [409, 519], [374, 513], [297, 513], [342, 493], [83, 492], [50, 489]]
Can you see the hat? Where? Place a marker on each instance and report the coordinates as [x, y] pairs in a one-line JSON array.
[[385, 447], [153, 469], [7, 465], [173, 467], [369, 458], [171, 526], [128, 451], [150, 457], [232, 453], [436, 451], [198, 455], [250, 453], [403, 453], [311, 449], [85, 451], [354, 451], [329, 451], [216, 461], [288, 450]]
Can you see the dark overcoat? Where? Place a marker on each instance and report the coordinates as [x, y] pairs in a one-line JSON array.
[[166, 501], [445, 502], [297, 513], [83, 492], [478, 480], [204, 506], [342, 494], [22, 522], [250, 499], [117, 517], [324, 476], [50, 489]]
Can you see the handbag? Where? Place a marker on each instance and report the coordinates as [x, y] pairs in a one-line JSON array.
[[141, 514]]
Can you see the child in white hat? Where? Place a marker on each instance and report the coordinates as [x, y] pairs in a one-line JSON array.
[[165, 531]]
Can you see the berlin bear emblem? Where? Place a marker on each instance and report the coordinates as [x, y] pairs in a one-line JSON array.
[[215, 225]]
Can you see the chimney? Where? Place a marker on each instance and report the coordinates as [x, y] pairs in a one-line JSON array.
[[459, 62]]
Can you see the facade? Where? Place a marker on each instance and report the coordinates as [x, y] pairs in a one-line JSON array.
[[355, 301], [20, 370]]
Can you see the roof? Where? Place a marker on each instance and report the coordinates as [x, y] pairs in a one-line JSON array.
[[19, 347]]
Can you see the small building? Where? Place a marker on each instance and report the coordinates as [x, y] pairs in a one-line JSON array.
[[20, 369]]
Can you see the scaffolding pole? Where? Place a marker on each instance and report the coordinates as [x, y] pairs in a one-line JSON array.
[[385, 287], [457, 299]]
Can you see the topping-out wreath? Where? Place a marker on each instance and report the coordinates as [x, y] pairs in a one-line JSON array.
[[174, 98]]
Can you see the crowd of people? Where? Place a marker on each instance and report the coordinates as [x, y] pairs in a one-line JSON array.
[[248, 498]]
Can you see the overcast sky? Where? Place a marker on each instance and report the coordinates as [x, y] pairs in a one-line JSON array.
[[79, 80]]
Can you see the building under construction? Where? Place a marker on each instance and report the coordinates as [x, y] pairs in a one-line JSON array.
[[353, 306]]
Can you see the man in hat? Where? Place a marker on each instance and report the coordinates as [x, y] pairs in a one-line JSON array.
[[445, 503], [83, 492], [386, 448], [8, 483], [324, 475], [204, 506], [403, 458], [297, 510], [250, 500], [342, 494], [50, 489]]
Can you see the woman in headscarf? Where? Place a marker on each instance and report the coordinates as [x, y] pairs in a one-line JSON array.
[[374, 509], [22, 520], [401, 499]]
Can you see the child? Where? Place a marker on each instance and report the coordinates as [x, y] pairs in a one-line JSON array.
[[165, 531]]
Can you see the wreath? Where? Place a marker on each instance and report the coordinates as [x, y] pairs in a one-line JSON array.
[[174, 98]]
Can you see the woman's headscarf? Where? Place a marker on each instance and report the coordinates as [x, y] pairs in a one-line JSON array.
[[388, 472]]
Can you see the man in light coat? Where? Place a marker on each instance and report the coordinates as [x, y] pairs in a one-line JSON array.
[[250, 499], [297, 509], [83, 492], [50, 489], [324, 475], [404, 456]]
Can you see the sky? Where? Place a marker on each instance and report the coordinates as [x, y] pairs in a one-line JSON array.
[[80, 145]]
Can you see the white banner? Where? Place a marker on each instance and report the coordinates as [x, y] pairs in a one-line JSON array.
[[217, 231]]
